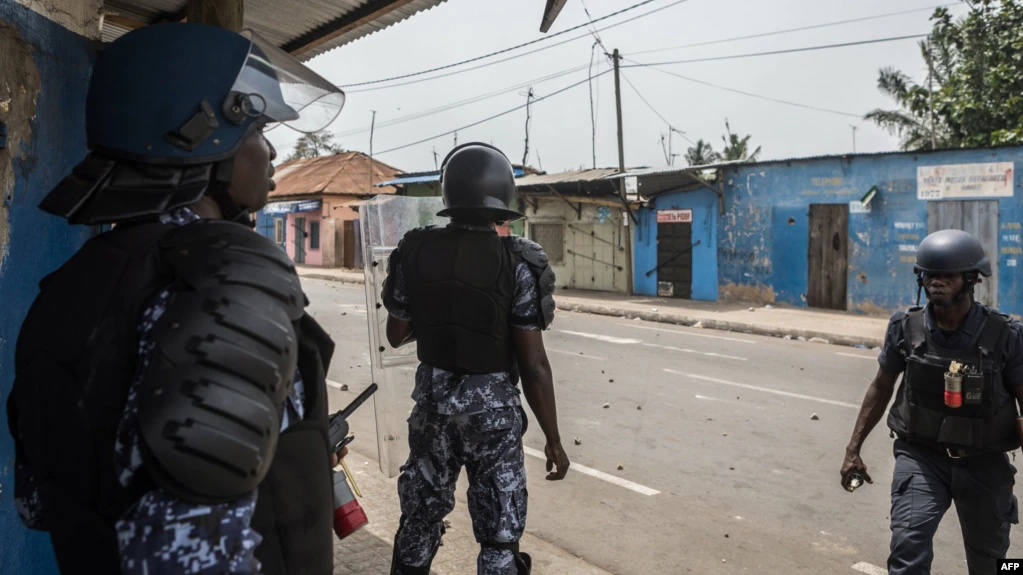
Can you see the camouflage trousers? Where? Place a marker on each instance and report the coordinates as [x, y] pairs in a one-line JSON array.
[[489, 446]]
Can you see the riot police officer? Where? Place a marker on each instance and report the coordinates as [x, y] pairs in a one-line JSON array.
[[169, 404], [955, 413], [476, 305]]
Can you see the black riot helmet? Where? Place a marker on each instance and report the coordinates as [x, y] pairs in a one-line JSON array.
[[952, 252], [478, 182]]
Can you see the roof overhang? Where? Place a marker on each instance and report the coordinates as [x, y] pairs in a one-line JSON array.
[[304, 29]]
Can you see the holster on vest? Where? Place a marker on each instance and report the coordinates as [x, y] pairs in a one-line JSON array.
[[986, 421]]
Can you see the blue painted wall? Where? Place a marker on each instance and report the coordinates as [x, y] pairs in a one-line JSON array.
[[265, 226], [704, 204], [763, 237], [38, 243]]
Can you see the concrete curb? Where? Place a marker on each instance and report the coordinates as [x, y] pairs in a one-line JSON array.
[[722, 325], [679, 319]]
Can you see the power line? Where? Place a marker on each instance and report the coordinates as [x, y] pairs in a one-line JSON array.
[[516, 56], [654, 110], [477, 58], [494, 117], [800, 29], [752, 95], [788, 51]]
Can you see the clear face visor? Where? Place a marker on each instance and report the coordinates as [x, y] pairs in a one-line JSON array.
[[273, 85]]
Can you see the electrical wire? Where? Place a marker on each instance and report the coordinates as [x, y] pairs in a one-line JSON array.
[[768, 98], [494, 117], [788, 51], [800, 29], [652, 109], [516, 56], [505, 50]]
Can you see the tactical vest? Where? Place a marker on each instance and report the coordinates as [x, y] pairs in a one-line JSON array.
[[75, 360], [460, 285], [986, 421]]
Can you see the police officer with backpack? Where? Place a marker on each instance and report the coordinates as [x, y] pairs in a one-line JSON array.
[[955, 412], [169, 408], [476, 304]]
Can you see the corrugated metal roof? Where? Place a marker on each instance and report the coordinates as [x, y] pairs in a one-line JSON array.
[[345, 173], [657, 171], [427, 177], [565, 177], [282, 22]]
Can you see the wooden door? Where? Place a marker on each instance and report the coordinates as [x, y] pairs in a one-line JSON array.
[[674, 259], [300, 235], [348, 245], [828, 256], [980, 218]]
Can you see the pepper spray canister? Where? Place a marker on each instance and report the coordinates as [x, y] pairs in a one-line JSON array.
[[954, 385]]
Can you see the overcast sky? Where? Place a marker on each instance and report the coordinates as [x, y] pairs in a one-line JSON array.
[[840, 79]]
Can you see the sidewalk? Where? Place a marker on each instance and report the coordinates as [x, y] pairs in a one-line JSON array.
[[368, 551], [839, 328]]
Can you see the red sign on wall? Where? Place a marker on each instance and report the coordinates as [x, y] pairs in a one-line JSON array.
[[674, 216]]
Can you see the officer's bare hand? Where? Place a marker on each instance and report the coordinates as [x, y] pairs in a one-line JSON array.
[[853, 464], [556, 457], [336, 458]]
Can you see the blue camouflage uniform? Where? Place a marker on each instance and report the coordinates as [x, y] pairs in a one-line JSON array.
[[926, 480], [475, 421], [161, 534]]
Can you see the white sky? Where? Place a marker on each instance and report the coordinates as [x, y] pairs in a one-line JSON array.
[[841, 79]]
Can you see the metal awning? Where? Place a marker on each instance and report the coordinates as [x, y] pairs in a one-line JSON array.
[[303, 28]]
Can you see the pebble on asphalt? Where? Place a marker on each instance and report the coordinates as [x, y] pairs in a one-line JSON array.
[[620, 467], [639, 408], [344, 387], [610, 381], [578, 441], [814, 417], [752, 308], [607, 405]]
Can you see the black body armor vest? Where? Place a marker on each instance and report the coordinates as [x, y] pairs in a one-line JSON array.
[[460, 285], [986, 420], [76, 356]]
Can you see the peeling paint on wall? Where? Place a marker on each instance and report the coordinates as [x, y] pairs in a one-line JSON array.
[[19, 87], [79, 16], [760, 294]]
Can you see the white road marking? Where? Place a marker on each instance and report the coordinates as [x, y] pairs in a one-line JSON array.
[[599, 337], [641, 489], [685, 350], [707, 397], [857, 356], [576, 354], [675, 331], [869, 569], [333, 384], [766, 389]]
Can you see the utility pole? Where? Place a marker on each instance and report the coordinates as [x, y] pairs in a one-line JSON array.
[[621, 169], [618, 111], [854, 137], [529, 116], [435, 166], [372, 126], [930, 93]]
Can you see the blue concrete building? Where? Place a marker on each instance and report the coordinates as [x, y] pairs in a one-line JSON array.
[[836, 232]]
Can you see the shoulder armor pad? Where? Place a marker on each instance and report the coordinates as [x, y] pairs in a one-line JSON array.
[[538, 262], [216, 253]]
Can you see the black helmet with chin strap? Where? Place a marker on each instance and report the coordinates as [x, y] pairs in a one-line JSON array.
[[952, 252], [478, 181]]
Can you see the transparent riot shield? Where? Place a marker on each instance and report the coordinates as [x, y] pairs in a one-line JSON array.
[[384, 221]]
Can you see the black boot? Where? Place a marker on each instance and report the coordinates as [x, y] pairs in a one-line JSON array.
[[524, 563]]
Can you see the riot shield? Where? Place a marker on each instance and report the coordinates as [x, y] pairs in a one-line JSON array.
[[384, 221]]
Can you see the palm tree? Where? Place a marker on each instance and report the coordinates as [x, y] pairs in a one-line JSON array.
[[736, 148], [701, 154]]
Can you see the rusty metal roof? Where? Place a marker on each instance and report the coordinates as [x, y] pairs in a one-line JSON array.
[[344, 173], [565, 177], [666, 170], [304, 28]]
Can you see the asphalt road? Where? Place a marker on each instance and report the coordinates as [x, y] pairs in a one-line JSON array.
[[723, 467]]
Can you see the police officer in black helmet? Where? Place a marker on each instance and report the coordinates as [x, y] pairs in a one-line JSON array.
[[955, 414], [476, 304]]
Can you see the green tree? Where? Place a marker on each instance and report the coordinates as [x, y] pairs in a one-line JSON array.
[[975, 84], [314, 145], [700, 154], [736, 148]]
